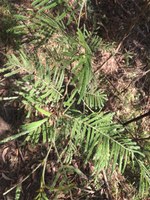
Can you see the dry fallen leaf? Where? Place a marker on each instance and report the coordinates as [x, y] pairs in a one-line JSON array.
[[4, 126], [110, 65]]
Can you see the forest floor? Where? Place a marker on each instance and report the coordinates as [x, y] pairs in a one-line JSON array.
[[126, 80]]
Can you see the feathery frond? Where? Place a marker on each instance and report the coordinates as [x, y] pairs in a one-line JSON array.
[[101, 141]]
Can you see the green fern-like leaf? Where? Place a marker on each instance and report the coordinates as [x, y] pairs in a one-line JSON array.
[[95, 99], [144, 179], [18, 192], [46, 88], [102, 142]]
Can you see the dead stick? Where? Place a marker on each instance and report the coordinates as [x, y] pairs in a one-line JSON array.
[[137, 118]]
